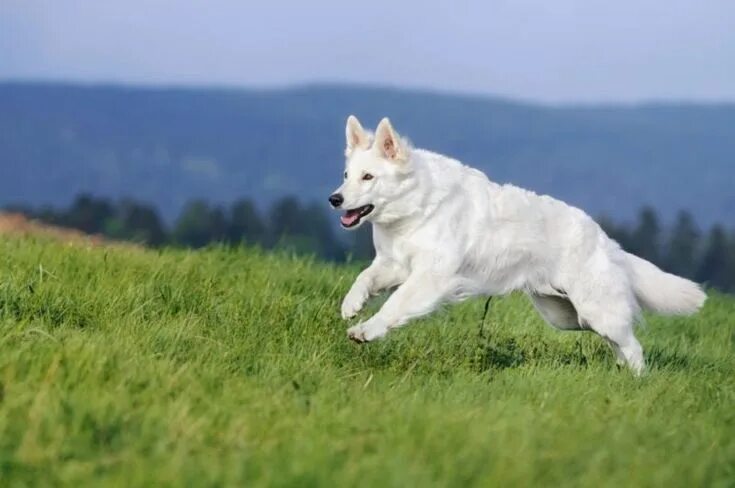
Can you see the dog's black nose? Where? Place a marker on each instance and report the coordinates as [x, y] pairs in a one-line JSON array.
[[336, 200]]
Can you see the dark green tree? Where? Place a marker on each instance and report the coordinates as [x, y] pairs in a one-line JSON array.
[[285, 218], [199, 224], [362, 248], [89, 214], [713, 269], [321, 230], [245, 223], [683, 246], [618, 232], [730, 268], [303, 229], [645, 240], [287, 228], [141, 223]]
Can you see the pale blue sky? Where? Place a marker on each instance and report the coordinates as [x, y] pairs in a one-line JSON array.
[[544, 50]]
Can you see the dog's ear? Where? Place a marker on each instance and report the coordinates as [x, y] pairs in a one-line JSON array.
[[388, 143], [356, 135]]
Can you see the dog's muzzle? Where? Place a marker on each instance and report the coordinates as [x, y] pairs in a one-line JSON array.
[[353, 216]]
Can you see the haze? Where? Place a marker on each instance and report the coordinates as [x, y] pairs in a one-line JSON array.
[[561, 51]]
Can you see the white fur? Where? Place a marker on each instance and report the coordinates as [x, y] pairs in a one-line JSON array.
[[443, 232]]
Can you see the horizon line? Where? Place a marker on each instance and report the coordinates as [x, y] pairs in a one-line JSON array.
[[337, 84]]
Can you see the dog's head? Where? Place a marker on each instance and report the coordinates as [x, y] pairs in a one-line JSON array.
[[377, 172]]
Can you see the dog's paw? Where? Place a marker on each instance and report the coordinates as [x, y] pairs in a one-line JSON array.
[[353, 303], [362, 333]]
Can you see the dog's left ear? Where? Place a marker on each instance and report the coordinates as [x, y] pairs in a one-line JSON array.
[[388, 143]]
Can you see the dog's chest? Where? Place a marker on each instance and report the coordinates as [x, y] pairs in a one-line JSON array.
[[399, 252], [409, 252]]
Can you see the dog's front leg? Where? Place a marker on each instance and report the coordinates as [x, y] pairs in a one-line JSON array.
[[421, 293], [381, 274]]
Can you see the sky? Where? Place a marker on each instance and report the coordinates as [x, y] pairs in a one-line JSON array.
[[550, 51]]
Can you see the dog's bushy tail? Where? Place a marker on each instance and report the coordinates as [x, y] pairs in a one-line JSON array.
[[662, 292]]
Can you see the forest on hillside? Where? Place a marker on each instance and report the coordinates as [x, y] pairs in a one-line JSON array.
[[288, 224], [168, 146]]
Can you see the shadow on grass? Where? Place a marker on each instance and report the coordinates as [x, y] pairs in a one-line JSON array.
[[499, 354]]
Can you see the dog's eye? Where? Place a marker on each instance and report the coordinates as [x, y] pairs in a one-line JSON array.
[[345, 174], [367, 177]]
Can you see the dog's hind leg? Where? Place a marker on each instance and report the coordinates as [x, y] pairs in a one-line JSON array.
[[626, 345], [617, 331], [613, 320], [620, 358], [557, 311]]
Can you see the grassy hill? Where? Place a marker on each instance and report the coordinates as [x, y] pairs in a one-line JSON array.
[[133, 367], [166, 146]]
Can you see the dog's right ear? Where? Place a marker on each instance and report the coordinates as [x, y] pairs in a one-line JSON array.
[[388, 143], [356, 136]]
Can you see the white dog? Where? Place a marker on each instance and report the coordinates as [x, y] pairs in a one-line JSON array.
[[443, 232]]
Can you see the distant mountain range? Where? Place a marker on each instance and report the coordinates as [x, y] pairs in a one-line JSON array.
[[166, 146]]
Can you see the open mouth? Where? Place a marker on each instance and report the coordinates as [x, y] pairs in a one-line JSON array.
[[353, 217]]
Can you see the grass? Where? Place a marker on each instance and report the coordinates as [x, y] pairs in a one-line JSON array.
[[126, 367]]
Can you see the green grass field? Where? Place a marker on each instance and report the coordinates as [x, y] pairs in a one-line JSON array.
[[225, 367]]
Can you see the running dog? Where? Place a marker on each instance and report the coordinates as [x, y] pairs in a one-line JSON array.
[[444, 232]]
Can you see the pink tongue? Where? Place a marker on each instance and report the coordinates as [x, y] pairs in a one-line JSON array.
[[349, 218]]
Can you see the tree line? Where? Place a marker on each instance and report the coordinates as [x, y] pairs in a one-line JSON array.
[[309, 228], [681, 248], [287, 224]]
